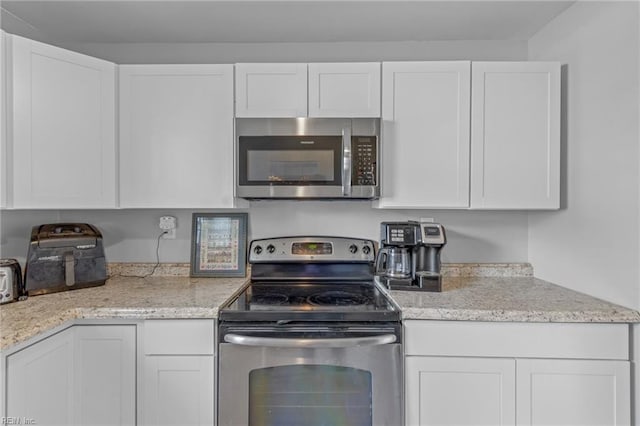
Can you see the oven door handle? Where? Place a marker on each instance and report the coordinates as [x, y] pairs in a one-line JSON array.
[[278, 342]]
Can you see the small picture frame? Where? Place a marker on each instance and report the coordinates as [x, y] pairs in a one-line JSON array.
[[219, 244]]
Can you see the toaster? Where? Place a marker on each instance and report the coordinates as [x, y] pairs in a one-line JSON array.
[[11, 288], [64, 256]]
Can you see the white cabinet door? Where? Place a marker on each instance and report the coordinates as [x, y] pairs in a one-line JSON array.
[[3, 120], [40, 381], [515, 135], [349, 89], [573, 392], [178, 385], [425, 135], [179, 390], [84, 375], [63, 140], [459, 391], [105, 375], [176, 136], [271, 90]]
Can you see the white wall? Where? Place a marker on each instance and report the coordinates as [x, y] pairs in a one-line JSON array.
[[592, 244], [130, 235], [228, 53]]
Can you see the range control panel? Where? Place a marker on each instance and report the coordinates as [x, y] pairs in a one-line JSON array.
[[365, 160], [311, 249]]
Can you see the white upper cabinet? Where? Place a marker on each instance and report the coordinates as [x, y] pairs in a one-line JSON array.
[[344, 89], [425, 135], [3, 121], [515, 135], [271, 90], [176, 136], [63, 139], [334, 90]]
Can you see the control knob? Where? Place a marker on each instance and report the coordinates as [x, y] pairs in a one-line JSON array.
[[353, 248], [257, 249], [366, 249], [271, 248]]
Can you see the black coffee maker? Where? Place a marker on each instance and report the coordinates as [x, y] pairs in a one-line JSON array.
[[409, 255]]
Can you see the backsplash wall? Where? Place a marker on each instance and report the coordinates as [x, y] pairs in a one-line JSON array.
[[131, 235]]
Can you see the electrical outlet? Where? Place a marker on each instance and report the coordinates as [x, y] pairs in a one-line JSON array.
[[168, 224]]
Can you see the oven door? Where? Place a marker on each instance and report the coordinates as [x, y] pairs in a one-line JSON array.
[[312, 379]]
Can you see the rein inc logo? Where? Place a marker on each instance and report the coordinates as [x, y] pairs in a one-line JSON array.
[[17, 421]]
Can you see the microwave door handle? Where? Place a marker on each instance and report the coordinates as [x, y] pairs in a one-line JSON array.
[[346, 161], [283, 342]]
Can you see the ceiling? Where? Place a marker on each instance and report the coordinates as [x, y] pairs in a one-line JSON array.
[[267, 21]]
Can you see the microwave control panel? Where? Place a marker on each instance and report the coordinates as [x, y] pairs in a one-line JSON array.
[[365, 159]]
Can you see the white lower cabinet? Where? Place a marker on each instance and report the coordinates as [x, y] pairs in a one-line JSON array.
[[40, 381], [87, 374], [178, 386], [83, 375], [529, 374], [178, 390], [105, 375], [460, 391], [573, 392]]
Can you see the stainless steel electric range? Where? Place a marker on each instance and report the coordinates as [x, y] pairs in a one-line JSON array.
[[312, 339]]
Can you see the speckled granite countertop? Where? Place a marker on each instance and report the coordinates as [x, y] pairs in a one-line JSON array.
[[521, 299], [498, 297], [120, 297]]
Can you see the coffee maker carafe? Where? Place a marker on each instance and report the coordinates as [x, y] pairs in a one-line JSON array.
[[394, 262], [409, 255]]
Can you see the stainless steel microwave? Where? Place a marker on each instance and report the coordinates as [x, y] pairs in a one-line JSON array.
[[311, 167]]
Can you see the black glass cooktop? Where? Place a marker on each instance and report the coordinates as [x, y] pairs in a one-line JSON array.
[[310, 301]]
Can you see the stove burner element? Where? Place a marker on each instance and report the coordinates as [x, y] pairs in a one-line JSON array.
[[337, 298], [269, 299]]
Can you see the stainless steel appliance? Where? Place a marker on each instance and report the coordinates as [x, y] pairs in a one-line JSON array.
[[311, 340], [11, 287], [308, 166], [409, 257], [64, 256]]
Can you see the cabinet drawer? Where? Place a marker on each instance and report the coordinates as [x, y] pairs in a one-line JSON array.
[[518, 340], [179, 337]]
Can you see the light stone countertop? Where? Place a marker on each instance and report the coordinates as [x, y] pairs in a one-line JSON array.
[[498, 297], [120, 298]]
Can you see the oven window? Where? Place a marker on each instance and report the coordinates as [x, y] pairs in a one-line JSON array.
[[310, 395], [290, 166]]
